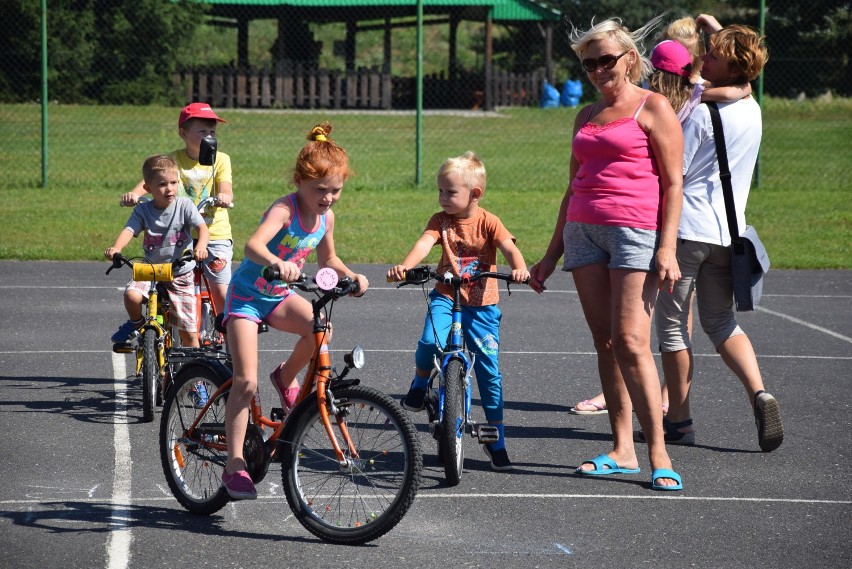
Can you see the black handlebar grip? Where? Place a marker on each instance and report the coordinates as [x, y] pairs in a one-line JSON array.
[[271, 273]]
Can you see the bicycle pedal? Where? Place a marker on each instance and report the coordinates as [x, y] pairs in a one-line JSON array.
[[435, 429], [122, 348], [276, 414], [487, 434]]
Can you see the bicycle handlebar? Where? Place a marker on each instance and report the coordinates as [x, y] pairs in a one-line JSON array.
[[208, 201], [118, 260], [422, 274], [306, 283]]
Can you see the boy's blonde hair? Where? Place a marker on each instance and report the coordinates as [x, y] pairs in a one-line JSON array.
[[156, 164], [469, 166]]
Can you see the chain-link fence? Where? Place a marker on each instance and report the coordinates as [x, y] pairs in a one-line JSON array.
[[108, 60]]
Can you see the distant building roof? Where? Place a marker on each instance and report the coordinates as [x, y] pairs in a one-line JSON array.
[[504, 10]]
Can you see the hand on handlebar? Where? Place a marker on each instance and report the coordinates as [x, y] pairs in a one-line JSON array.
[[283, 270], [200, 253], [396, 273], [520, 276], [128, 200], [224, 200], [109, 253], [363, 284]]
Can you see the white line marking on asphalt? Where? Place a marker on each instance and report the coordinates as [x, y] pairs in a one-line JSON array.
[[806, 324], [118, 544], [515, 288], [563, 549], [520, 496]]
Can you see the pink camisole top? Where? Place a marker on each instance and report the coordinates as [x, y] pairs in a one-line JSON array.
[[618, 182]]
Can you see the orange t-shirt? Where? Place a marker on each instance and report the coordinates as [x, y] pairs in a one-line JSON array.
[[469, 246]]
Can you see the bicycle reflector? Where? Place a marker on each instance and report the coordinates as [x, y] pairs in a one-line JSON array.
[[160, 272]]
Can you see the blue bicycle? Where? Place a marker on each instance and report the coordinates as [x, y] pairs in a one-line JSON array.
[[449, 394]]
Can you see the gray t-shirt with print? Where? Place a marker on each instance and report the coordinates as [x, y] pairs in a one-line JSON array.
[[167, 231]]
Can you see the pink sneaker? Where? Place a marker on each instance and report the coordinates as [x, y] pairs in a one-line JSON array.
[[239, 485], [288, 395]]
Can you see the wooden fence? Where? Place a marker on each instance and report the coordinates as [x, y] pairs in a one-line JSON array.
[[292, 86]]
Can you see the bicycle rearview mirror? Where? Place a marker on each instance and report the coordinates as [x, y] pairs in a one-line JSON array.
[[207, 152]]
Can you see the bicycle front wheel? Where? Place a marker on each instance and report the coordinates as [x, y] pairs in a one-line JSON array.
[[150, 374], [193, 463], [451, 439], [364, 498]]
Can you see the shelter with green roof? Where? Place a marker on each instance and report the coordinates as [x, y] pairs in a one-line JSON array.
[[296, 46]]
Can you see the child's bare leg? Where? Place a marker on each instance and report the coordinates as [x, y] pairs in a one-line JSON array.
[[189, 339], [133, 301], [294, 315], [243, 335]]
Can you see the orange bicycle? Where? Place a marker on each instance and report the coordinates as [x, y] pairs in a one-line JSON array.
[[209, 336], [350, 456]]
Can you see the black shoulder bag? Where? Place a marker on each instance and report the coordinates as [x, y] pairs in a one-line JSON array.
[[749, 260]]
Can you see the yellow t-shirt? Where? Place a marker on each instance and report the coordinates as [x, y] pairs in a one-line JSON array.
[[198, 182]]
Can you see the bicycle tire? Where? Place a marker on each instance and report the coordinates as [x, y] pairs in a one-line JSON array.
[[351, 506], [451, 439], [150, 374], [193, 469]]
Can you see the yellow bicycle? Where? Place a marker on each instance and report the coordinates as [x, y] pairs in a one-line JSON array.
[[152, 341]]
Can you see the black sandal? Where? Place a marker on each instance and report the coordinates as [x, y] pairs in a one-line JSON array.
[[673, 435]]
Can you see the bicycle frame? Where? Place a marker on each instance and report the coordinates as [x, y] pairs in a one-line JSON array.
[[455, 348], [153, 323], [318, 375]]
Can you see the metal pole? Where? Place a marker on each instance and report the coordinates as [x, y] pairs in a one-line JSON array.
[[43, 93], [419, 127], [762, 24]]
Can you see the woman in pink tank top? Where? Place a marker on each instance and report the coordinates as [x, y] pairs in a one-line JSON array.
[[616, 230]]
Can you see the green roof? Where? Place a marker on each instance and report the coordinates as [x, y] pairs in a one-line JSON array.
[[504, 10]]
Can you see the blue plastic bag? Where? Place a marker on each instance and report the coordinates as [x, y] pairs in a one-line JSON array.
[[549, 96], [572, 91]]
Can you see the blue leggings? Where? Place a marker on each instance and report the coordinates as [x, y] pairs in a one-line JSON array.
[[481, 325]]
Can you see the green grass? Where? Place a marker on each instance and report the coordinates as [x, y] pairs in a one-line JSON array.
[[801, 208]]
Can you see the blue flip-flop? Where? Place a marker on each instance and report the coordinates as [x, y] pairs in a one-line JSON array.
[[666, 473], [604, 465]]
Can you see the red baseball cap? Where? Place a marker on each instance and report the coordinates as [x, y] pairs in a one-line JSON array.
[[197, 111], [673, 57]]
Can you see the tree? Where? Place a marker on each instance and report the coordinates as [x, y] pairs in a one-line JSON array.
[[111, 51]]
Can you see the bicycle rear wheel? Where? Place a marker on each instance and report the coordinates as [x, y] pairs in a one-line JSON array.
[[150, 374], [192, 465], [363, 499], [451, 439]]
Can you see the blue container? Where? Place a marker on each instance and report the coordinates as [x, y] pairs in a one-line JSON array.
[[549, 96], [572, 92]]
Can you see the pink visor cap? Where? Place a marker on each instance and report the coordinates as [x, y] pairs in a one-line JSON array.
[[673, 57]]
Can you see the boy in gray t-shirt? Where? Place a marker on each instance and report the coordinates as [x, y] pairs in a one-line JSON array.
[[166, 221]]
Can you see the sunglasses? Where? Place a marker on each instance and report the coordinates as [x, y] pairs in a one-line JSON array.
[[604, 62]]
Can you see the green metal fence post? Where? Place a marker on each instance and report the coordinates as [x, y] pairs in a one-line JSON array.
[[762, 20], [43, 93], [419, 127]]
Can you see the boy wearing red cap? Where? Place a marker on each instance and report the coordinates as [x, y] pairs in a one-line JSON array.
[[199, 181]]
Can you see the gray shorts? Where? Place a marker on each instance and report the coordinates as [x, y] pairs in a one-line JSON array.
[[704, 268], [620, 247], [217, 265]]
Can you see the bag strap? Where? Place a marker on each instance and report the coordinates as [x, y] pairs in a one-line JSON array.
[[725, 176]]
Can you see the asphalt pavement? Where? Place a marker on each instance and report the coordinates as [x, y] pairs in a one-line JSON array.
[[83, 487]]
